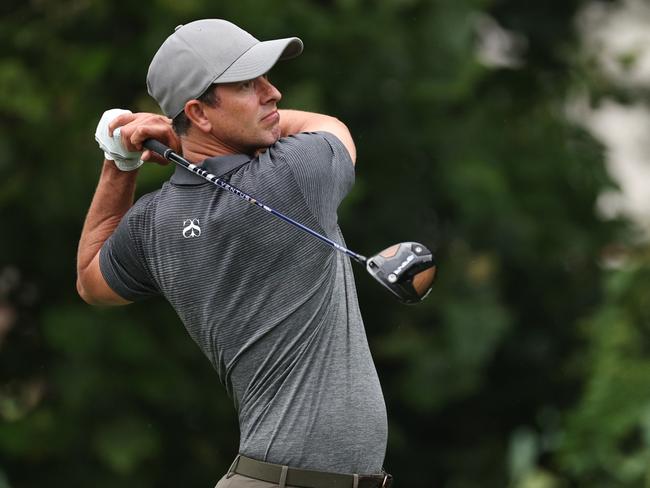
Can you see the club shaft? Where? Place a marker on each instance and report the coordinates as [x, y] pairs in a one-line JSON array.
[[170, 155]]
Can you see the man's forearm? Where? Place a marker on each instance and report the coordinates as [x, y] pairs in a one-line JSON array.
[[113, 197], [295, 121]]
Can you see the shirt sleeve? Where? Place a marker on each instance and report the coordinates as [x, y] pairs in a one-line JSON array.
[[323, 170], [122, 261]]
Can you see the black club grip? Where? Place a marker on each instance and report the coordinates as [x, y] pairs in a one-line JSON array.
[[157, 147]]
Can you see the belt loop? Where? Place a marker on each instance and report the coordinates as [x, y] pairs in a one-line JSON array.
[[233, 467], [283, 477], [355, 481], [386, 483]]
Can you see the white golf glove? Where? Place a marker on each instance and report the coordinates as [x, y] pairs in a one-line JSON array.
[[112, 146]]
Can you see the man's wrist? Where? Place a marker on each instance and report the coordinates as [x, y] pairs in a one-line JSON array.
[[115, 190], [109, 168]]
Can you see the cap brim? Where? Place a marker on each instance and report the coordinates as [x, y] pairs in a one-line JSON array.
[[259, 59]]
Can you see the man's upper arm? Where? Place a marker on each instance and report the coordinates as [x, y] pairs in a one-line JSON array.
[[118, 274], [340, 130], [323, 171]]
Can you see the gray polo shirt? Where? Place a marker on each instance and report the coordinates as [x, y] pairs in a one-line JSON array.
[[272, 308]]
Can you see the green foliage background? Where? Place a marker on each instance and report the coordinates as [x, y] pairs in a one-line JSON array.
[[528, 366]]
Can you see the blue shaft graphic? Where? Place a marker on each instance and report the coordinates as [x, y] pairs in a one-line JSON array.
[[167, 153]]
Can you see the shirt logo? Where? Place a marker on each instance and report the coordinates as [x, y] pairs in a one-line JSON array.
[[191, 228]]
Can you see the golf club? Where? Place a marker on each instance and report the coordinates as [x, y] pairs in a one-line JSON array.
[[406, 269]]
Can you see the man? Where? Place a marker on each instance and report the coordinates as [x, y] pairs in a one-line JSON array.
[[273, 309]]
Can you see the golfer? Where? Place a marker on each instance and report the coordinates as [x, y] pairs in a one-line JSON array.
[[273, 309]]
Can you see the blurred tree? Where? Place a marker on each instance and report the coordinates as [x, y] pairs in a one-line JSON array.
[[608, 433]]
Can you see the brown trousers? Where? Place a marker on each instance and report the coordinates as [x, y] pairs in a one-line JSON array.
[[239, 481]]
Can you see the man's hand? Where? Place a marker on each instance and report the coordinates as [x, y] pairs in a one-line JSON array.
[[112, 146], [138, 127]]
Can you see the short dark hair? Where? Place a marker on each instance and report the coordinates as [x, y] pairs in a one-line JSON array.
[[181, 123]]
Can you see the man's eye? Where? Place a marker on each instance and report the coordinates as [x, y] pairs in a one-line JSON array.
[[246, 84]]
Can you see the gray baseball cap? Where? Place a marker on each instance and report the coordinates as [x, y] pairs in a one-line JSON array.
[[210, 51]]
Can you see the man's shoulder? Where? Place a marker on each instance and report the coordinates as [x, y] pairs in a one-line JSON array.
[[306, 139], [147, 200], [143, 206]]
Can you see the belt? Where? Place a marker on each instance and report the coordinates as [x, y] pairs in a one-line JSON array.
[[304, 478]]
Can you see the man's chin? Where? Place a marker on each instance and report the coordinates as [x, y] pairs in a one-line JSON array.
[[274, 137], [262, 147], [270, 138]]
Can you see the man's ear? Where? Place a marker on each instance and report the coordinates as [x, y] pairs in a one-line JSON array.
[[194, 111]]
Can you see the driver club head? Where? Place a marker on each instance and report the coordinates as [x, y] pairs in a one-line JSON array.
[[407, 269]]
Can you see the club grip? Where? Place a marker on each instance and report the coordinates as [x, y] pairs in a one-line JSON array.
[[157, 147]]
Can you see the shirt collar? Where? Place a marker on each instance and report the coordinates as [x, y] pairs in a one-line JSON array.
[[218, 166]]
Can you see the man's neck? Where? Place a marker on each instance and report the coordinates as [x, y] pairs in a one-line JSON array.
[[196, 149]]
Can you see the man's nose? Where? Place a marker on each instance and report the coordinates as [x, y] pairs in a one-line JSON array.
[[269, 93]]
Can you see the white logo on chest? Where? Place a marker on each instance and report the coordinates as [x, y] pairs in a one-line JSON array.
[[191, 228]]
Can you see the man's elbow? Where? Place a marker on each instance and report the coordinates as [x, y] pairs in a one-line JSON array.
[[97, 295], [85, 294]]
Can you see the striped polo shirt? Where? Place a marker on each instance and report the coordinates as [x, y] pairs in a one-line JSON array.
[[274, 309]]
